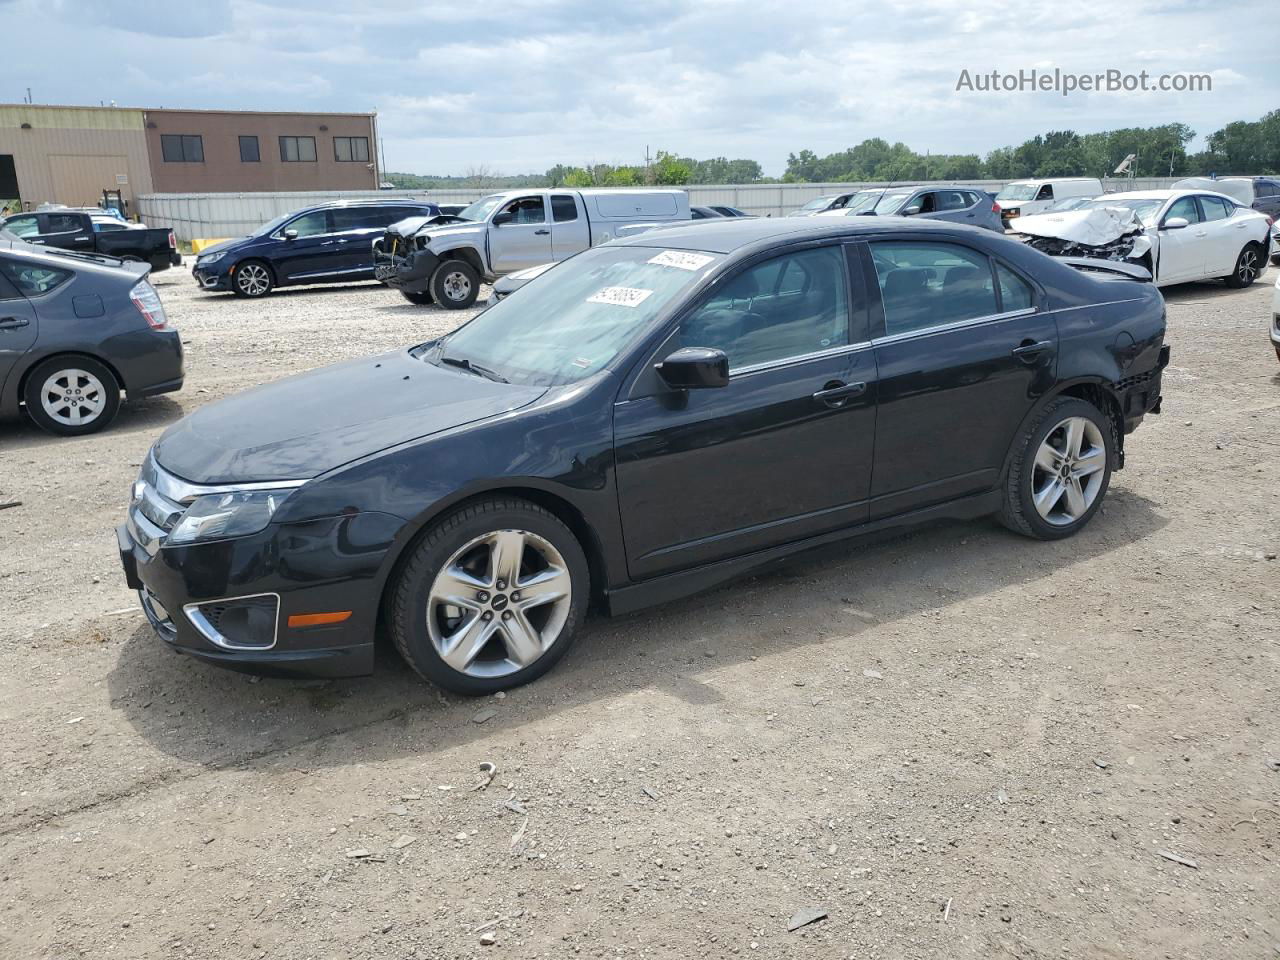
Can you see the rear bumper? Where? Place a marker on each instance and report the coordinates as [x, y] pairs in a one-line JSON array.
[[1140, 394]]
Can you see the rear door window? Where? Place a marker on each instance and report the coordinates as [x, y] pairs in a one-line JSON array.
[[62, 223], [33, 279], [1015, 293], [1215, 209], [564, 209], [926, 285]]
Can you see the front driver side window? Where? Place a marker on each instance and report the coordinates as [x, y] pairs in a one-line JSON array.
[[311, 224], [1046, 192], [786, 307], [1186, 208], [526, 210], [23, 226]]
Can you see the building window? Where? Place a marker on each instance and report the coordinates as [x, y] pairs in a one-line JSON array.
[[351, 149], [298, 149], [249, 150], [181, 148]]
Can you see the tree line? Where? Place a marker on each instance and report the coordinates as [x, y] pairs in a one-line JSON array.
[[1241, 147]]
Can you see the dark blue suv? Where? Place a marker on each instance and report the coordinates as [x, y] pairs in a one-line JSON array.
[[329, 243]]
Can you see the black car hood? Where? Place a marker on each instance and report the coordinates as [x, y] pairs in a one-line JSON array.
[[302, 426]]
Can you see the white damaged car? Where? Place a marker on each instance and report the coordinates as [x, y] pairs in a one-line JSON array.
[[1178, 236]]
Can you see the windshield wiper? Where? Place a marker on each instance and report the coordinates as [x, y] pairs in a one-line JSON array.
[[465, 364]]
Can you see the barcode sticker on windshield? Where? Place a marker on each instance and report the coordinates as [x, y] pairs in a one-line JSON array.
[[681, 259], [620, 296]]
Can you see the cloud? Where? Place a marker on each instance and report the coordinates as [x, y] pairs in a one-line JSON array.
[[522, 84]]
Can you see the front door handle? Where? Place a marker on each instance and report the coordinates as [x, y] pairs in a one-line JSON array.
[[541, 233], [1030, 350], [13, 323], [837, 393]]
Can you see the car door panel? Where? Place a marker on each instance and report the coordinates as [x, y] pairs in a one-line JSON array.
[[1182, 250], [570, 231], [523, 242], [770, 458], [951, 396], [19, 326], [314, 253]]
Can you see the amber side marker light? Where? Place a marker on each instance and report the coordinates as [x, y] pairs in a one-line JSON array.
[[318, 619]]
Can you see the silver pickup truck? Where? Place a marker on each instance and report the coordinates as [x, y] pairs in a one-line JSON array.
[[444, 259]]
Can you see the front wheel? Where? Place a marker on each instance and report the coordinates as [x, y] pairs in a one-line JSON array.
[[71, 396], [421, 298], [1060, 470], [455, 284], [252, 279], [490, 597], [1248, 266]]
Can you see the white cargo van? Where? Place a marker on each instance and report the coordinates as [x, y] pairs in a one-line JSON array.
[[1024, 197]]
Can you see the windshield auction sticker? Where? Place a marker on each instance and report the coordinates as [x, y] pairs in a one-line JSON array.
[[620, 296], [681, 259]]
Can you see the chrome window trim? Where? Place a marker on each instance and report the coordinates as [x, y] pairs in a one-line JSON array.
[[206, 630], [957, 325], [182, 492], [766, 365]]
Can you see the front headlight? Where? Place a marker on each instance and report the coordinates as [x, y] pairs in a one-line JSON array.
[[205, 259], [220, 515]]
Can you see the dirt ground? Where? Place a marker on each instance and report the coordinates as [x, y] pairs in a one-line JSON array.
[[958, 743]]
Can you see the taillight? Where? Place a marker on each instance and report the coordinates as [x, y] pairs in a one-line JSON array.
[[995, 207], [173, 241], [147, 301]]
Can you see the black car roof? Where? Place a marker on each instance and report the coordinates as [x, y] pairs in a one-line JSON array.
[[730, 234]]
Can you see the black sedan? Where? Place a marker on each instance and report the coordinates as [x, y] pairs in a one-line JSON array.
[[76, 331], [652, 417]]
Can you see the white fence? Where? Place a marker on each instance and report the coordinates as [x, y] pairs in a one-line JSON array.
[[192, 215]]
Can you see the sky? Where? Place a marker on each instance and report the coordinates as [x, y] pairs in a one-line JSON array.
[[517, 86]]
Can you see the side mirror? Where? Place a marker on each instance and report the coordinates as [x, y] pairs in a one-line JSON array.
[[1176, 223], [911, 211], [500, 218], [695, 368], [291, 234]]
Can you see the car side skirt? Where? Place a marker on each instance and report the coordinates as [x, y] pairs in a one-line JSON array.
[[674, 586]]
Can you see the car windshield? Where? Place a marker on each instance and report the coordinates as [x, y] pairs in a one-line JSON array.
[[1017, 191], [863, 200], [890, 202], [481, 209], [576, 319], [1145, 208], [271, 226], [818, 203]]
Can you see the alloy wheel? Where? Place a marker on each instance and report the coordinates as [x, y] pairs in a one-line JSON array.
[[253, 280], [499, 603], [1070, 466], [1248, 269], [73, 398], [457, 286]]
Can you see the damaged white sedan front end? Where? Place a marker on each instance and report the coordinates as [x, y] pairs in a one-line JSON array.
[[1094, 233]]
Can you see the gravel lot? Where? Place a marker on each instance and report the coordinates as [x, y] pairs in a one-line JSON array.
[[958, 743]]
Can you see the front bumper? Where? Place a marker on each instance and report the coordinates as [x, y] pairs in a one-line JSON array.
[[314, 567], [407, 270], [215, 277]]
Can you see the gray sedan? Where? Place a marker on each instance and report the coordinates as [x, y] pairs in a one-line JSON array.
[[76, 331], [968, 205]]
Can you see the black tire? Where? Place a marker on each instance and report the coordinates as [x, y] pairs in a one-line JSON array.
[[422, 298], [1248, 265], [1019, 512], [455, 285], [74, 375], [253, 279], [409, 606]]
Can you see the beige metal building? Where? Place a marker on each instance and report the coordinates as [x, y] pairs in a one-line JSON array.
[[70, 155]]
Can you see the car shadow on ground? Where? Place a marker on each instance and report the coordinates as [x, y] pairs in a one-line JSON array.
[[205, 715], [147, 415]]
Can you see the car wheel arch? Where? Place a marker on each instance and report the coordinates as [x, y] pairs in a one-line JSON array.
[[33, 361], [1094, 390], [557, 505], [470, 257]]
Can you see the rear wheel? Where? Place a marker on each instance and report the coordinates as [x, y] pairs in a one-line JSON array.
[[1248, 266], [1060, 470], [252, 279], [455, 284], [71, 396], [490, 597], [421, 298]]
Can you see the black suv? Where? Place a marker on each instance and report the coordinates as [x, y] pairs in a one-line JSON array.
[[653, 416]]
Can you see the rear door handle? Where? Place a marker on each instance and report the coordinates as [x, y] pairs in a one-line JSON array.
[[541, 233], [13, 323], [1029, 351], [836, 394]]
